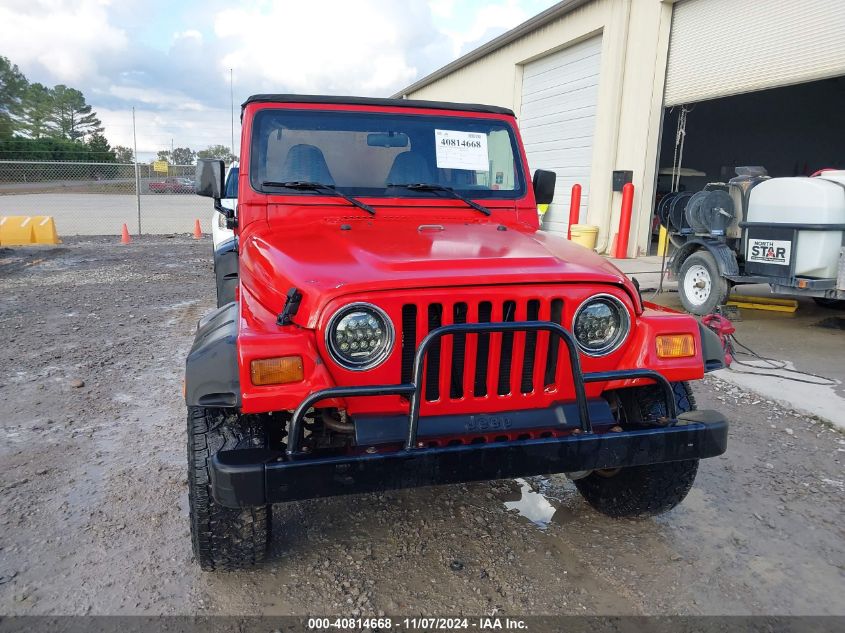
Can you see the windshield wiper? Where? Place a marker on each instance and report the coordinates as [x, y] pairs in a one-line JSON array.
[[318, 186], [430, 186]]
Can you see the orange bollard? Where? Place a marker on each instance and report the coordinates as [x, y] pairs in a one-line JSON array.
[[197, 230], [625, 221], [574, 209], [124, 238]]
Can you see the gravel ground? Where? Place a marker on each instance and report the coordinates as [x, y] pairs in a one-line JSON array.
[[93, 496]]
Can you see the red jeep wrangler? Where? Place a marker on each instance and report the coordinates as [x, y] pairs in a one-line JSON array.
[[401, 321]]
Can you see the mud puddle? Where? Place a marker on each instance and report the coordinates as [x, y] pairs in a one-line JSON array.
[[533, 504]]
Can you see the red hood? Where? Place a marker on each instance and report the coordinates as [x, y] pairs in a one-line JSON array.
[[334, 257]]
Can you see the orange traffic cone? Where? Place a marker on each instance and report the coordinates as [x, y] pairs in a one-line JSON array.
[[197, 230], [124, 238]]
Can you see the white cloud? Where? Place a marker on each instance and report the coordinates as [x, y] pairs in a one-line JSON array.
[[65, 38], [442, 8], [171, 61], [323, 46], [491, 18], [163, 98], [190, 34], [156, 129]]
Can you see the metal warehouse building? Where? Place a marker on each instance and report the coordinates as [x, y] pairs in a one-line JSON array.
[[602, 85]]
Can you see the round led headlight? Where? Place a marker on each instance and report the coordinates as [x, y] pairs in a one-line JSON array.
[[600, 325], [359, 336]]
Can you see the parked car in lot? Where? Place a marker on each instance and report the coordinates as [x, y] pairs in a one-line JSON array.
[[173, 185], [401, 321], [224, 241]]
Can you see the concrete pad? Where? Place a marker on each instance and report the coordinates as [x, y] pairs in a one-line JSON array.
[[105, 214], [646, 270], [799, 340], [818, 400]]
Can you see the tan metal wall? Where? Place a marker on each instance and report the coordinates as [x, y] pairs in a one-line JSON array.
[[635, 40]]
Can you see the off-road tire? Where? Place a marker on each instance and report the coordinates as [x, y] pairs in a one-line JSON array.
[[719, 286], [641, 491], [223, 538]]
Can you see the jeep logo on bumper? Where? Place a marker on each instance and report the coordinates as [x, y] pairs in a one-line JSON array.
[[479, 423]]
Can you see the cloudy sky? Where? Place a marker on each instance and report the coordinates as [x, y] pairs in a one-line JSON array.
[[171, 59]]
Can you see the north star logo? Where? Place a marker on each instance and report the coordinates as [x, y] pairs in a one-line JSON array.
[[769, 251]]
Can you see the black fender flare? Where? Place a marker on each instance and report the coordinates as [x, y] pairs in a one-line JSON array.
[[211, 369], [724, 256], [226, 270]]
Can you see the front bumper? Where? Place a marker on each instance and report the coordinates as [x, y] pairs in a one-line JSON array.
[[249, 477], [257, 476]]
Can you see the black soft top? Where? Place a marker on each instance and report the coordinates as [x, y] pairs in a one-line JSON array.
[[376, 101]]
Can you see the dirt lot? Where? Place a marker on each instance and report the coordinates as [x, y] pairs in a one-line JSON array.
[[93, 497]]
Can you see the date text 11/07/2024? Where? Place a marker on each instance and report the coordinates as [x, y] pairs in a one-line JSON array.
[[484, 623]]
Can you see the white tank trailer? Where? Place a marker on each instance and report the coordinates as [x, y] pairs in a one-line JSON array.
[[786, 232]]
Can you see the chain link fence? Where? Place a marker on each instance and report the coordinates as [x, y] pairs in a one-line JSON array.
[[99, 198]]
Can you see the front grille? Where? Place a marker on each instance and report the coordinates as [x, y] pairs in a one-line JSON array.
[[432, 383], [478, 365], [459, 344]]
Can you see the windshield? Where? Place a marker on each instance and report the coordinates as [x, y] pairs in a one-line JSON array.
[[361, 154]]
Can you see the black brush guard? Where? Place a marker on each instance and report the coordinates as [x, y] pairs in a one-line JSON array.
[[249, 477]]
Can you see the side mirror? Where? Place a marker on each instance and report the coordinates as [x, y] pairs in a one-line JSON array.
[[209, 177], [544, 186]]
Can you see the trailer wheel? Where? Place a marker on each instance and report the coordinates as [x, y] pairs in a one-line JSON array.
[[223, 538], [700, 284], [833, 304], [641, 491]]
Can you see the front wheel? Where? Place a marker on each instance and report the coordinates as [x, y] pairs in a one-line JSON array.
[[640, 491], [700, 285], [223, 538]]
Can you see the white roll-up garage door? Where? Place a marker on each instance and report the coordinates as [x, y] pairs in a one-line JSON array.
[[558, 118], [725, 47]]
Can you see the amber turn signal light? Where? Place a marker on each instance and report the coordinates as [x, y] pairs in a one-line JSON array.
[[675, 346], [276, 371]]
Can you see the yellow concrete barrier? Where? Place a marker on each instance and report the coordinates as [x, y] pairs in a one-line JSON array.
[[22, 230], [763, 303], [44, 229]]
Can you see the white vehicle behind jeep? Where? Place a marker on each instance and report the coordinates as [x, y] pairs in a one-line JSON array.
[[219, 232]]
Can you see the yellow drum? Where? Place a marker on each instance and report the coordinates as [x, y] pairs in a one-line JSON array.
[[584, 234]]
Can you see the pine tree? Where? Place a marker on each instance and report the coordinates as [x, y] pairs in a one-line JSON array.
[[71, 115], [35, 111], [12, 87], [100, 148], [221, 152], [179, 156], [123, 154]]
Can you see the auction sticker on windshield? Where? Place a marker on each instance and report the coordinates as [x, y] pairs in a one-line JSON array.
[[461, 150]]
